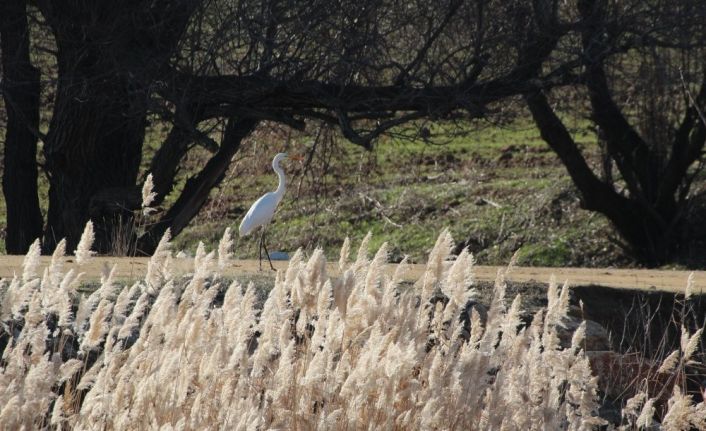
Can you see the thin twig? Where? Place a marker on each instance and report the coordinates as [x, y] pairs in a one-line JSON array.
[[380, 209], [691, 98]]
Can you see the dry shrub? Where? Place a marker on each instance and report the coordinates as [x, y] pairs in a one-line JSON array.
[[359, 351]]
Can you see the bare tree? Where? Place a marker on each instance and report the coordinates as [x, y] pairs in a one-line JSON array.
[[109, 57], [626, 59], [364, 67]]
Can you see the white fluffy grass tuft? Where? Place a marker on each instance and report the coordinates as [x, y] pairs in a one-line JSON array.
[[83, 251], [359, 351]]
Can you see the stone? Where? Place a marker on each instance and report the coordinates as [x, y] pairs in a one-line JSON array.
[[596, 339]]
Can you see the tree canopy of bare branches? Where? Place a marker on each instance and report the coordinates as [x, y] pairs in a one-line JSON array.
[[363, 67]]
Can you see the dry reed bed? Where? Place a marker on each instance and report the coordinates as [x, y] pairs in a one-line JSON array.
[[352, 352]]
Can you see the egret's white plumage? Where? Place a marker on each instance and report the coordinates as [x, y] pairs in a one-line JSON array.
[[262, 211]]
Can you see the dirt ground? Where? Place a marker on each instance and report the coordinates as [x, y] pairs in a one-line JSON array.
[[645, 280]]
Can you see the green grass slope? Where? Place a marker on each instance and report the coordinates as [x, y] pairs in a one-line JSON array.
[[498, 189]]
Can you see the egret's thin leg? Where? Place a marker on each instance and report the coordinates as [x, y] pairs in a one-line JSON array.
[[267, 253], [261, 243]]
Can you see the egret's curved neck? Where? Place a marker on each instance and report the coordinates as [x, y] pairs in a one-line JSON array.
[[282, 180]]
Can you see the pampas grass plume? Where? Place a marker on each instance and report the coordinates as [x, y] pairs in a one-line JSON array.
[[225, 249], [359, 350], [148, 195], [31, 262], [83, 251]]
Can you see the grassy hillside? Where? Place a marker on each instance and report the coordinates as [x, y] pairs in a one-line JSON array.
[[498, 188]]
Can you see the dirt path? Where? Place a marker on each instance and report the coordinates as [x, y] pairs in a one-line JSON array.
[[671, 281]]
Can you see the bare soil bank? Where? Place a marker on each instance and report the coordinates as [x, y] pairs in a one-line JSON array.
[[672, 281]]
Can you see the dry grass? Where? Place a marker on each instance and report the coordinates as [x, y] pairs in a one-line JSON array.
[[352, 352]]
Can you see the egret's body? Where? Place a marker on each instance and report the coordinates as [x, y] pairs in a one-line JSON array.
[[261, 212]]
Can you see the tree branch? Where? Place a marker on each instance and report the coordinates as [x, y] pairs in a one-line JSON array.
[[631, 153], [688, 144], [629, 217], [422, 52], [596, 194], [197, 188], [165, 163]]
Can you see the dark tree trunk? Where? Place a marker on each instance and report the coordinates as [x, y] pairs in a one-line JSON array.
[[650, 230], [94, 143], [650, 217], [165, 163], [109, 56], [639, 224], [20, 91], [649, 212]]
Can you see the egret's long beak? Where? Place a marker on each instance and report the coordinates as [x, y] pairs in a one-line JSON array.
[[297, 157]]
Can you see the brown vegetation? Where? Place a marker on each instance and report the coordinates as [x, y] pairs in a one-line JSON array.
[[351, 352]]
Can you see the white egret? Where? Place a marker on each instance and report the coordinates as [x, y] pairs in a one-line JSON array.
[[262, 211]]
